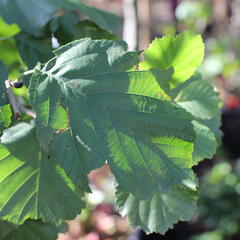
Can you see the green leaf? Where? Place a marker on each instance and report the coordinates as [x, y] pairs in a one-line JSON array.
[[205, 143], [31, 185], [183, 52], [68, 27], [163, 210], [198, 97], [33, 51], [125, 118], [26, 13], [35, 230]]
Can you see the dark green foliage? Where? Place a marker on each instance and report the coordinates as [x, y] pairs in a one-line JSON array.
[[150, 125]]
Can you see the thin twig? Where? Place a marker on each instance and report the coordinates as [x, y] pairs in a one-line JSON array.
[[24, 74], [27, 111], [12, 100]]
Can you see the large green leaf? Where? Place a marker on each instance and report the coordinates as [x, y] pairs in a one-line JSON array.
[[198, 97], [33, 15], [163, 210], [32, 50], [31, 185], [183, 52], [35, 230], [125, 118]]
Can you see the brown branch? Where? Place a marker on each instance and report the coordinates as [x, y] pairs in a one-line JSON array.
[[12, 100]]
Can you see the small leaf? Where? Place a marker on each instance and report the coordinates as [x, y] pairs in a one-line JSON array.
[[163, 210], [31, 185], [198, 97], [183, 52]]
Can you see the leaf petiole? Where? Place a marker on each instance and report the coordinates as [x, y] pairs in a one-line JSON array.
[[24, 74]]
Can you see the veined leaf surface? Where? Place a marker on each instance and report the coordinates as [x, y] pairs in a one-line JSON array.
[[199, 98], [31, 185], [183, 52], [126, 118], [163, 210]]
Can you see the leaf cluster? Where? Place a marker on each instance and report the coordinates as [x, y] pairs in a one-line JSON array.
[[151, 125]]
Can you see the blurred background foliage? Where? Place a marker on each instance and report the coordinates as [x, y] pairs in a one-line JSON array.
[[218, 21]]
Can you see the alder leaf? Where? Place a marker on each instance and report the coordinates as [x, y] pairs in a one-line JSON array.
[[159, 213], [126, 118], [183, 52], [31, 184], [33, 15]]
